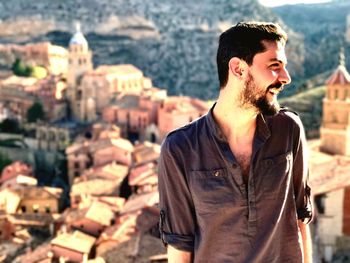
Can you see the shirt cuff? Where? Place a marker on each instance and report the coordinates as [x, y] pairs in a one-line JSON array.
[[180, 242], [306, 213]]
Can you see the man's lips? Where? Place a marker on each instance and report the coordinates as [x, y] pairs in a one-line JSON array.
[[275, 89]]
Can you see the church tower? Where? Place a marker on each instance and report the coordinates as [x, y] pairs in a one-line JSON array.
[[79, 62], [335, 129]]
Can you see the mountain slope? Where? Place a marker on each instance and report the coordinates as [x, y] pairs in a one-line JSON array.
[[308, 104], [173, 42]]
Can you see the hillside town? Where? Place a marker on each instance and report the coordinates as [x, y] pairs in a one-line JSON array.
[[79, 149], [81, 182]]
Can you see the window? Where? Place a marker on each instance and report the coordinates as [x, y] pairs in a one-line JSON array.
[[76, 174], [36, 208], [23, 209], [320, 201], [47, 210], [76, 165], [335, 94]]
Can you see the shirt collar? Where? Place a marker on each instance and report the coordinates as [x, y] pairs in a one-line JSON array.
[[263, 131]]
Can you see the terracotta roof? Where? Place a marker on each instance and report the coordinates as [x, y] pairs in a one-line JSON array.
[[139, 201], [20, 179], [100, 213], [127, 101], [184, 104], [340, 77], [76, 241], [39, 192], [31, 219], [115, 203], [77, 147], [96, 187], [105, 143], [121, 70], [122, 230], [9, 200], [146, 152], [110, 171], [328, 172], [14, 169], [144, 174]]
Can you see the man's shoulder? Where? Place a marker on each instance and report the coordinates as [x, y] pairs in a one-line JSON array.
[[288, 116], [187, 131], [185, 134]]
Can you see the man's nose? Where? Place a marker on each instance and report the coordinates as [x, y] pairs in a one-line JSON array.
[[284, 76]]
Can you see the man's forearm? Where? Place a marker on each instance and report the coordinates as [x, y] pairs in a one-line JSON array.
[[178, 256], [307, 242]]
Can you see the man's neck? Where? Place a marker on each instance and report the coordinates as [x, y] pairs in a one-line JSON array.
[[236, 123]]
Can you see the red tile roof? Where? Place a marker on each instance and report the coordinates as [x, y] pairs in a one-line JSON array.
[[76, 241], [340, 77]]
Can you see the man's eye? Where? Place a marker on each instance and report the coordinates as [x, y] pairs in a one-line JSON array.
[[274, 65]]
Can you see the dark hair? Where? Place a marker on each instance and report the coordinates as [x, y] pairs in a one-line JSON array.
[[244, 41]]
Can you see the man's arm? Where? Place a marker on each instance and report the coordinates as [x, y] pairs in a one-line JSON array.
[[179, 256], [307, 242]]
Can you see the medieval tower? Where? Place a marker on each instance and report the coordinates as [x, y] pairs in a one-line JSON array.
[[335, 129], [79, 62]]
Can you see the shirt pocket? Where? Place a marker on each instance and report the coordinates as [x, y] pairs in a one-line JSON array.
[[276, 177], [211, 189]]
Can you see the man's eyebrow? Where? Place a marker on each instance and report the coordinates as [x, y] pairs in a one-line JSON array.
[[279, 61]]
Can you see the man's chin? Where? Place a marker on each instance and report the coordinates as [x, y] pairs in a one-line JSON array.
[[268, 108]]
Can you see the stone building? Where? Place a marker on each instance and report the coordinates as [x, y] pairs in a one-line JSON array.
[[15, 97], [136, 113], [53, 58], [330, 167], [175, 112], [335, 129]]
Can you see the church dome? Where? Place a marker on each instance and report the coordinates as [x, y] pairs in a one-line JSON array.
[[78, 37]]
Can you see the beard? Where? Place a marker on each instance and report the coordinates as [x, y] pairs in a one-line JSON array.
[[253, 96]]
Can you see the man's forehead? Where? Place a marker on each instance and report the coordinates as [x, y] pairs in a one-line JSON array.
[[274, 51]]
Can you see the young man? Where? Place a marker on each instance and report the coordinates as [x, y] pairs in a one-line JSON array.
[[233, 183]]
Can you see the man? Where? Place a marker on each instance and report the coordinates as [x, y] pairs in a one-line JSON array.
[[233, 183]]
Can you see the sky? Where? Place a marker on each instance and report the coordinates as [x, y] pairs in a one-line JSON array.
[[290, 2]]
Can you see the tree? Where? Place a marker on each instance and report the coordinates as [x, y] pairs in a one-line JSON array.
[[35, 112], [10, 126], [20, 69]]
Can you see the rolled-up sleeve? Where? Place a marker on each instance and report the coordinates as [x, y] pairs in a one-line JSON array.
[[177, 225], [302, 191]]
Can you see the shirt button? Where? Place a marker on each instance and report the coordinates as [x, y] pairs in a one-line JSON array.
[[216, 173]]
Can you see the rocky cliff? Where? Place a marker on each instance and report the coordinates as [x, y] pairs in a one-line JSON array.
[[173, 42]]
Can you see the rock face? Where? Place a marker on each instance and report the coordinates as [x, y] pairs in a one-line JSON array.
[[173, 42]]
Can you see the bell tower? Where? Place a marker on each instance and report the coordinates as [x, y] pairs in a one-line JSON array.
[[335, 129], [79, 62]]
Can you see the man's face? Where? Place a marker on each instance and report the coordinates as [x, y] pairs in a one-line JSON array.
[[265, 79]]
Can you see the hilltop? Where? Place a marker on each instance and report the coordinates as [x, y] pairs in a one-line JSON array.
[[308, 104], [173, 42]]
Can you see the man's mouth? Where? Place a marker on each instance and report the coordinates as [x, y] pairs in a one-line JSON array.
[[274, 90]]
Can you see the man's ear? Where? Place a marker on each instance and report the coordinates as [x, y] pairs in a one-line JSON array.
[[237, 67]]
